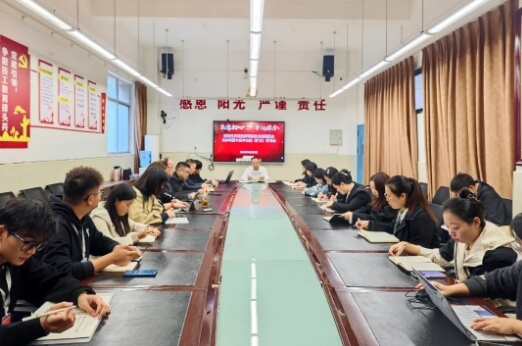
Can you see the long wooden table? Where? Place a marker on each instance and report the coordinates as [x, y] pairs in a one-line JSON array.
[[365, 292]]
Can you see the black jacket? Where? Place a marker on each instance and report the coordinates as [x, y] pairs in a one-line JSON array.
[[387, 214], [358, 197], [495, 208], [504, 283], [65, 250], [36, 283], [493, 259], [417, 228], [174, 188], [196, 178]]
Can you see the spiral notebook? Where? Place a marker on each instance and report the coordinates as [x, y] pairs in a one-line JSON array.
[[82, 331]]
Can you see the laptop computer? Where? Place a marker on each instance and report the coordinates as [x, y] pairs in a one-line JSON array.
[[462, 316], [229, 176]]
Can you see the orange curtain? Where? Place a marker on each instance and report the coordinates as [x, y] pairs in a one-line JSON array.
[[468, 102], [140, 126], [390, 122]]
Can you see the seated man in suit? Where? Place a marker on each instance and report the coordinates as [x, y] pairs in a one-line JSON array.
[[78, 238], [495, 208], [195, 175], [25, 227], [255, 172], [190, 184], [175, 187]]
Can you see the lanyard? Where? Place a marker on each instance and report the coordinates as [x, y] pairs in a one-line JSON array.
[[5, 295], [84, 248]]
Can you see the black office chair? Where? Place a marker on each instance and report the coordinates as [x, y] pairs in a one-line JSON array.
[[437, 211], [509, 206], [424, 188], [34, 193], [441, 196], [4, 197], [55, 189]]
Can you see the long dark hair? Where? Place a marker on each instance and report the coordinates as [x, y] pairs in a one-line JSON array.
[[151, 181], [319, 174], [310, 167], [400, 184], [121, 192], [330, 172], [467, 207], [379, 179]]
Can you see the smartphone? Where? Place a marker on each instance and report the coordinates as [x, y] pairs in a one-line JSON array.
[[432, 274], [140, 273], [207, 209]]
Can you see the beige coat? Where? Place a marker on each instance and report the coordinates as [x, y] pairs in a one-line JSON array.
[[104, 224], [147, 212]]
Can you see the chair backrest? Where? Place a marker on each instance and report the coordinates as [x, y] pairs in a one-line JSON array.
[[437, 211], [4, 197], [441, 196], [35, 193], [424, 188], [509, 206], [55, 189]]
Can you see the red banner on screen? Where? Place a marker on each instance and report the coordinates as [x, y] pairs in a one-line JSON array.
[[239, 141], [14, 94]]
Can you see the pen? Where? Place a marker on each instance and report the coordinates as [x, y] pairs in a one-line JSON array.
[[33, 317]]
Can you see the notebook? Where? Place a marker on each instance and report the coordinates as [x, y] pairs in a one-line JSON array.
[[318, 200], [462, 316], [149, 238], [113, 268], [420, 263], [81, 332], [378, 237], [335, 218], [177, 221]]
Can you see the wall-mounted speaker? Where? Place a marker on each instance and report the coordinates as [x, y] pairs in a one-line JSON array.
[[167, 65], [328, 67]]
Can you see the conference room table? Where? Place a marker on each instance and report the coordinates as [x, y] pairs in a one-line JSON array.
[[264, 268]]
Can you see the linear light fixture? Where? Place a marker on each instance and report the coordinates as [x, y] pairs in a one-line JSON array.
[[408, 46], [346, 86], [77, 34], [256, 27], [45, 14], [456, 16], [373, 69]]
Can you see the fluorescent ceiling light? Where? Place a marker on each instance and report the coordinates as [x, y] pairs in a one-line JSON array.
[[254, 68], [252, 92], [456, 16], [253, 82], [45, 14], [91, 44], [120, 64], [148, 82], [255, 46], [164, 92], [346, 87], [373, 69], [404, 49], [256, 15]]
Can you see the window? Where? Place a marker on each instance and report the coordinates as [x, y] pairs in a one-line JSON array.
[[119, 121], [419, 97]]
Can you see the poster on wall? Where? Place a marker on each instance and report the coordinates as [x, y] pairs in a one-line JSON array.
[[80, 94], [94, 105], [46, 86], [65, 97], [15, 94]]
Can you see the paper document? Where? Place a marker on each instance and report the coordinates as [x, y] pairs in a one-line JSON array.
[[148, 239], [177, 221], [378, 237], [318, 200], [82, 331], [113, 268], [418, 262]]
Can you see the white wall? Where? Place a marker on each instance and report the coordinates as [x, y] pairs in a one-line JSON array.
[[307, 133], [52, 152]]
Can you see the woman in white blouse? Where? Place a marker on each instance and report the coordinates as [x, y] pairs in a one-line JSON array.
[[111, 217]]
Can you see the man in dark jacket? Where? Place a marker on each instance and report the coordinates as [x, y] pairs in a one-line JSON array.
[[355, 195], [78, 238], [175, 188], [496, 211], [25, 227]]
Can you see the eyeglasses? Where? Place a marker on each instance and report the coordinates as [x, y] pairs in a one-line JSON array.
[[94, 194], [28, 244], [387, 196]]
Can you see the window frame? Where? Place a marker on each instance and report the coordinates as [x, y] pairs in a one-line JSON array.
[[131, 106]]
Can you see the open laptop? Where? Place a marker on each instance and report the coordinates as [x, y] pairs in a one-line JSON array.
[[229, 176], [462, 316]]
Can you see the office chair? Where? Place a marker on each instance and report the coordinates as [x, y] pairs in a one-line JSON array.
[[4, 197], [55, 189], [441, 196], [509, 206], [424, 188], [34, 193]]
